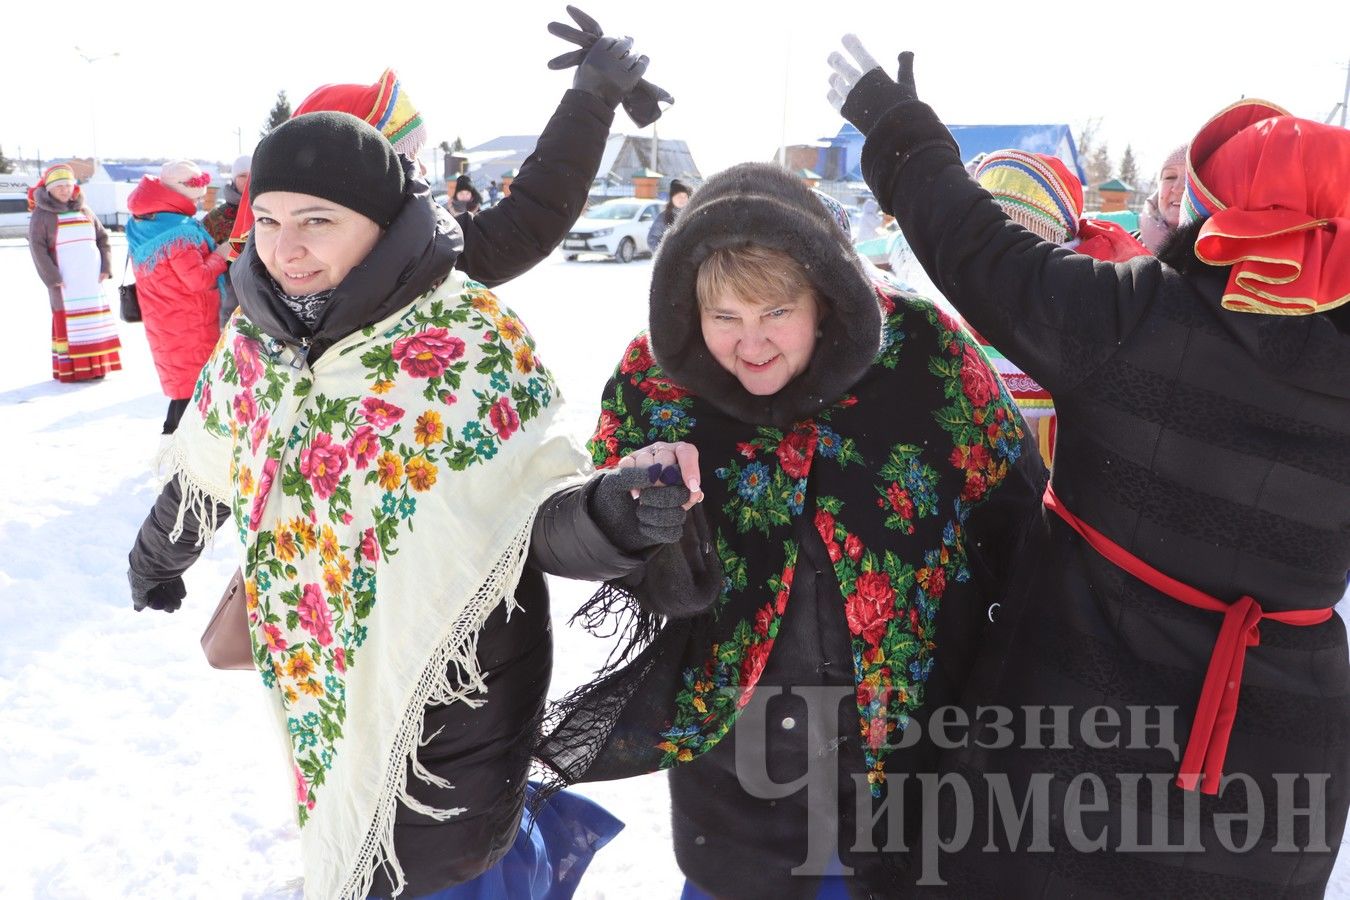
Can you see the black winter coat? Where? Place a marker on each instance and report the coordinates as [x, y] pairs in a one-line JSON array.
[[1215, 445]]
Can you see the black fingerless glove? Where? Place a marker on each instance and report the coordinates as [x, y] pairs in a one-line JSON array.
[[656, 517]]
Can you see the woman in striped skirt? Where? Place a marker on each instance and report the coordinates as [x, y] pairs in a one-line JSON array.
[[70, 250]]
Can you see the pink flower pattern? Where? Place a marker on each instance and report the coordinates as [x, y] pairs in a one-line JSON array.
[[312, 570]]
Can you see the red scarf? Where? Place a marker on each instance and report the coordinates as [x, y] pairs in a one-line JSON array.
[[1276, 190]]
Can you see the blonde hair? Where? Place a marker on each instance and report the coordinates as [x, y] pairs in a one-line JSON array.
[[756, 274]]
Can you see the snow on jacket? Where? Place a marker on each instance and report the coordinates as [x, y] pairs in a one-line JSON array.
[[178, 283]]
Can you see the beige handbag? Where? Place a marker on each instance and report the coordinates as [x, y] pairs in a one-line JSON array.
[[226, 641]]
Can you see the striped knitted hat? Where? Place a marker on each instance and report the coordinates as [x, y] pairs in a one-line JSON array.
[[384, 104], [57, 174], [53, 176], [1036, 191]]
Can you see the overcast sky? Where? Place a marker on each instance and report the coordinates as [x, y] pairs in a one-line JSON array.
[[744, 74]]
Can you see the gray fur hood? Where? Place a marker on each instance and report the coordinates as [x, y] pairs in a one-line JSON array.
[[763, 204]]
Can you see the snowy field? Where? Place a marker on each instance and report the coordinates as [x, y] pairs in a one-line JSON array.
[[128, 767]]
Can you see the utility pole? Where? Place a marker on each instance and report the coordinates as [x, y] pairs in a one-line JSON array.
[[239, 141], [93, 116], [787, 89]]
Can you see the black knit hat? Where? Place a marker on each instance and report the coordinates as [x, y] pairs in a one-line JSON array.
[[679, 187], [335, 156]]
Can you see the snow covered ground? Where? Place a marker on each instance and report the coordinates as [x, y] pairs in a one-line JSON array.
[[128, 767]]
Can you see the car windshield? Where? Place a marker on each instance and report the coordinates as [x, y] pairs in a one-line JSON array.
[[613, 211]]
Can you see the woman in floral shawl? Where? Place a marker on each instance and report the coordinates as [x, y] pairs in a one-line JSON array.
[[867, 482], [384, 441]]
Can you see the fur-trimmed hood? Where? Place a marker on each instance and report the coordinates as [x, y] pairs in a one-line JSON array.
[[763, 204]]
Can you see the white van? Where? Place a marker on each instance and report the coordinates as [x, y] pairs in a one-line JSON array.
[[14, 213]]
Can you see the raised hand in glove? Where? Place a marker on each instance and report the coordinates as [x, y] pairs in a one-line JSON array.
[[166, 596], [863, 94], [607, 69]]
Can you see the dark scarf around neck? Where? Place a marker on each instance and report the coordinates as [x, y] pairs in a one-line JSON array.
[[416, 252]]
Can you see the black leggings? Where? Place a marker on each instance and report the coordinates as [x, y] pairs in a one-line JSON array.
[[176, 409]]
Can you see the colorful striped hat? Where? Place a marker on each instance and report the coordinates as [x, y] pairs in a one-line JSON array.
[[54, 175], [1036, 191], [57, 174], [384, 104], [1199, 202]]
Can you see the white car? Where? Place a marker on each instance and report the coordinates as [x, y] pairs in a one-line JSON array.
[[617, 228]]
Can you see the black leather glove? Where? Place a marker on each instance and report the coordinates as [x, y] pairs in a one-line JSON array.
[[166, 596], [656, 517], [606, 69]]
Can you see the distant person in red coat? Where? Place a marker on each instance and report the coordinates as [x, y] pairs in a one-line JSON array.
[[178, 278]]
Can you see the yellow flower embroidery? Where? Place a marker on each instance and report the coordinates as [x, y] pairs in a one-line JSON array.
[[389, 470], [485, 304], [421, 473], [300, 666], [429, 429], [328, 544], [305, 534], [510, 328]]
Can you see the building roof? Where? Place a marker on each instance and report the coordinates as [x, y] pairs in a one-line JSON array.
[[1115, 184], [1051, 139], [624, 156]]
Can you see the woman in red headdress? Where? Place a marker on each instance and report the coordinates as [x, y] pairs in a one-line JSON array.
[[1175, 680]]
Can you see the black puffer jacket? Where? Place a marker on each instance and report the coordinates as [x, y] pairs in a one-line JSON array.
[[1214, 445], [483, 751]]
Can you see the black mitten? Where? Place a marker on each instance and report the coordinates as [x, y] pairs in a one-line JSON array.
[[166, 596]]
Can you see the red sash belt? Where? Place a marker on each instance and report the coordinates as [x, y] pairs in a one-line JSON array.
[[1214, 714]]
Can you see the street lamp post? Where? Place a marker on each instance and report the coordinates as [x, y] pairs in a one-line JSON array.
[[93, 118]]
